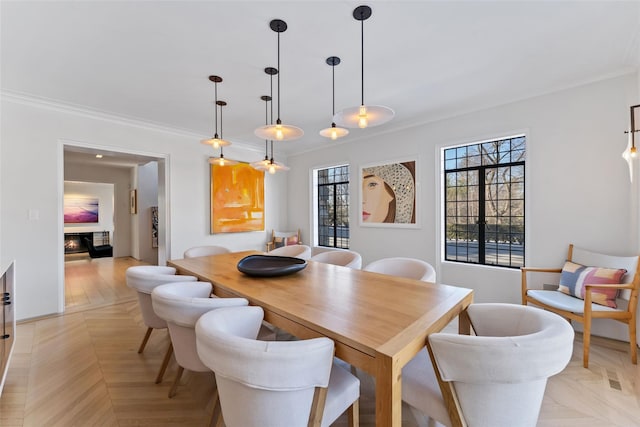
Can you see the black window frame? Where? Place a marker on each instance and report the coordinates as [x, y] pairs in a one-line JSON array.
[[498, 238], [333, 183]]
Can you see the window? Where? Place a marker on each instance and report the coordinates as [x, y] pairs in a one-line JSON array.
[[332, 207], [484, 202]]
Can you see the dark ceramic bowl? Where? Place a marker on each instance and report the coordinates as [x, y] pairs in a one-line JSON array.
[[269, 266]]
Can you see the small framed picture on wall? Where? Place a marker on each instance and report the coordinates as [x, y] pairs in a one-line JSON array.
[[133, 201], [154, 226]]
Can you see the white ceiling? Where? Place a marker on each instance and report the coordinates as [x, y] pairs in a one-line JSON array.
[[150, 60]]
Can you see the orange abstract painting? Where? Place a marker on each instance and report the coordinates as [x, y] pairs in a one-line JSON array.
[[237, 198]]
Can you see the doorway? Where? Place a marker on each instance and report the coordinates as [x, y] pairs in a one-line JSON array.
[[100, 164]]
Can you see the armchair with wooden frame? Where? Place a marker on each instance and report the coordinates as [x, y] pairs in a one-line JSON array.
[[283, 238], [586, 311]]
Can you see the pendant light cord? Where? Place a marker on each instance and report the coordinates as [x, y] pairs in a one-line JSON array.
[[266, 122], [271, 76], [633, 128], [221, 137], [278, 121], [278, 93], [333, 89], [362, 61], [215, 114], [221, 155]]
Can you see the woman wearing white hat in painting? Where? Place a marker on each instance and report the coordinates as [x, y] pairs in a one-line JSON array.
[[388, 193]]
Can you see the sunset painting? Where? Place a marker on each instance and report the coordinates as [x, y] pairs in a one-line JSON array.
[[78, 210]]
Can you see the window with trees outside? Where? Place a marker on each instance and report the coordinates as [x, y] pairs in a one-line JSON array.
[[484, 202], [333, 206]]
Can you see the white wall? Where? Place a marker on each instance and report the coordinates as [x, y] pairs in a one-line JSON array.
[[578, 188], [147, 197], [31, 178]]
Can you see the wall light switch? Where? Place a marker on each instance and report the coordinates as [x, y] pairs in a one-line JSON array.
[[34, 214]]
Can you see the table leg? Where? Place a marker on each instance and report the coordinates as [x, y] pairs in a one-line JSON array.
[[388, 392], [464, 323]]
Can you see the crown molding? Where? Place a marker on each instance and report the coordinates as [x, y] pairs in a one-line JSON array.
[[83, 111]]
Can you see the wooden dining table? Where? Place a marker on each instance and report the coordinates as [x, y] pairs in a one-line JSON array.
[[378, 322]]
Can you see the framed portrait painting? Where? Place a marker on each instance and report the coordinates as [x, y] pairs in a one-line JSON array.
[[388, 193], [237, 198]]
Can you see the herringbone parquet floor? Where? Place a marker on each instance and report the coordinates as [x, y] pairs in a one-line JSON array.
[[82, 369]]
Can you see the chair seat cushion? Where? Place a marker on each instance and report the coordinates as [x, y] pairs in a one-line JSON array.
[[420, 388], [575, 276], [344, 389], [563, 301]]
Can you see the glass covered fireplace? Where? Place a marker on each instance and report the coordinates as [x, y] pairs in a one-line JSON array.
[[74, 242]]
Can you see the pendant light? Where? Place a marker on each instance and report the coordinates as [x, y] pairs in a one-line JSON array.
[[333, 132], [222, 161], [216, 142], [631, 152], [274, 166], [279, 131], [263, 165], [364, 115], [269, 164]]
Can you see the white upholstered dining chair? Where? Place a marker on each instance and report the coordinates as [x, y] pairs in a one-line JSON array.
[[144, 278], [181, 304], [494, 378], [197, 251], [297, 251], [342, 257], [278, 383], [411, 268]]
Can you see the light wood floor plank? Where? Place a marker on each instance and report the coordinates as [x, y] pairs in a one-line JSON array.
[[83, 369]]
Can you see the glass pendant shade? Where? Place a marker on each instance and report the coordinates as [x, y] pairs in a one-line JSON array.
[[222, 161], [363, 116], [278, 131], [261, 165], [274, 167], [334, 132], [215, 142]]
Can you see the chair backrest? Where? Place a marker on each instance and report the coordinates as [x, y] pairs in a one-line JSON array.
[[261, 383], [297, 251], [89, 243], [181, 304], [197, 251], [595, 259], [342, 257], [286, 237], [499, 376], [411, 268], [144, 278]]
